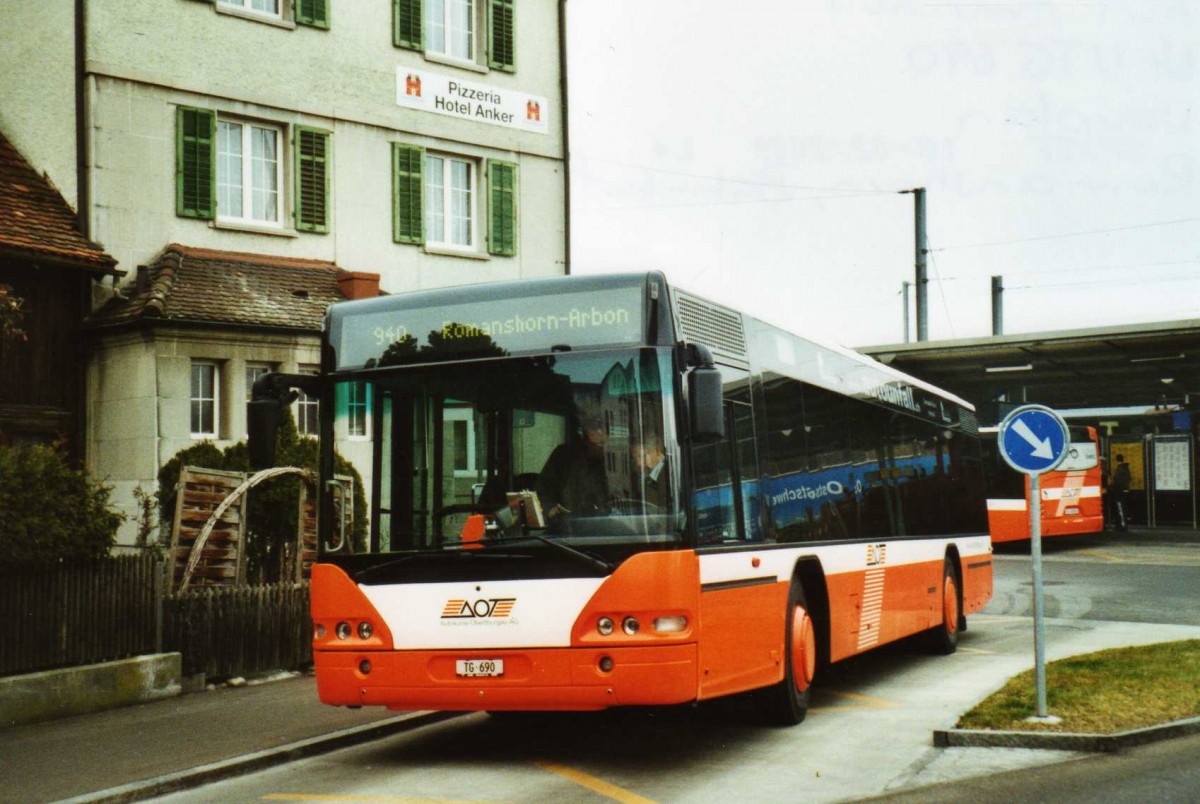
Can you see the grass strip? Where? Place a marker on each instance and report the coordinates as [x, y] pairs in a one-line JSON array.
[[1101, 693]]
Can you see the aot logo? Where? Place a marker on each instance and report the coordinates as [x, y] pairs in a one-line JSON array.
[[876, 554], [478, 609]]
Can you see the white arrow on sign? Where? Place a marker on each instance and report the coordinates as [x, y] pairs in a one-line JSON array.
[[1041, 447]]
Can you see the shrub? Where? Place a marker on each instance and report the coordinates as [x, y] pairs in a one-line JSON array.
[[51, 512]]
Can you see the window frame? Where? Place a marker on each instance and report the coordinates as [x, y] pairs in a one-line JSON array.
[[447, 206], [290, 14], [247, 172], [356, 408], [452, 413], [195, 400], [492, 40], [305, 402], [473, 38]]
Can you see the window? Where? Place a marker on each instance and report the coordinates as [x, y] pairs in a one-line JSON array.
[[267, 7], [233, 171], [357, 404], [436, 200], [449, 201], [450, 28], [249, 178], [314, 13], [459, 438], [253, 372], [204, 399], [458, 29], [307, 408]]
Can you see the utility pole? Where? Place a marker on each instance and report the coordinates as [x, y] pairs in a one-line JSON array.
[[922, 249], [904, 286], [997, 305]]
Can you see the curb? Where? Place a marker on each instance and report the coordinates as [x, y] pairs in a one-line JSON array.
[[1064, 741], [260, 760]]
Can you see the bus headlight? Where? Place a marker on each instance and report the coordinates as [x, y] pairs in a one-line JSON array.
[[630, 625], [365, 630], [343, 630], [670, 625], [605, 626]]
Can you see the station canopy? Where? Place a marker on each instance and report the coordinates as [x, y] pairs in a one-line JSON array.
[[1144, 365]]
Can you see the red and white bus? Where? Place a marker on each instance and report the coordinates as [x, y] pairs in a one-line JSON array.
[[1072, 503], [800, 504]]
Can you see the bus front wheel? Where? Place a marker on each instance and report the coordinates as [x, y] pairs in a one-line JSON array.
[[786, 703]]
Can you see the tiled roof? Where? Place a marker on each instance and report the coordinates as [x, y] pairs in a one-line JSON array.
[[195, 285], [36, 223]]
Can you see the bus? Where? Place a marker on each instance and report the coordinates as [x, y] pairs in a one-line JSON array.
[[1072, 503], [801, 504]]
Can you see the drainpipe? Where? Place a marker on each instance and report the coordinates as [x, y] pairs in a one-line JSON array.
[[82, 185], [566, 136]]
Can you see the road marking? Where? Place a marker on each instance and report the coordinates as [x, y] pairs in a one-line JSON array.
[[977, 651], [592, 783], [864, 702], [367, 799], [994, 619]]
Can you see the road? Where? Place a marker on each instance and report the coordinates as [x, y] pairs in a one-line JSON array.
[[869, 732]]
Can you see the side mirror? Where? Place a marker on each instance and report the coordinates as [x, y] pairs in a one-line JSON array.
[[262, 427], [706, 408]]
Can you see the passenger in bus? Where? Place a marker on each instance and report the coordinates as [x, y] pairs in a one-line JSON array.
[[574, 480], [651, 461]]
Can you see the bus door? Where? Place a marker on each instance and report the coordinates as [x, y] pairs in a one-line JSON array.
[[742, 610]]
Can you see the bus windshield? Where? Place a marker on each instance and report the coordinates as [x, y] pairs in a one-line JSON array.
[[573, 447]]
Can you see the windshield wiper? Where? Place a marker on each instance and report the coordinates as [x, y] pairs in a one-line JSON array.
[[592, 561], [431, 553]]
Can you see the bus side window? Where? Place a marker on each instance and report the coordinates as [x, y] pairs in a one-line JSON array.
[[727, 484], [712, 469]]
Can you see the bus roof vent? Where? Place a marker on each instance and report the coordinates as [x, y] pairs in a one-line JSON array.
[[715, 327]]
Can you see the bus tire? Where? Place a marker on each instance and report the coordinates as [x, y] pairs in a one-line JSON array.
[[943, 638], [786, 703]]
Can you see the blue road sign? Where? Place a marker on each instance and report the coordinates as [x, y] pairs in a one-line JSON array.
[[1033, 439]]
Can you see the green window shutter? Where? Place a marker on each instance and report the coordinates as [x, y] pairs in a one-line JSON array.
[[408, 187], [311, 147], [502, 54], [195, 163], [406, 24], [502, 208], [313, 12]]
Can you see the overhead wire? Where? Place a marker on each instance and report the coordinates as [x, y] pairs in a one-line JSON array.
[[1070, 234]]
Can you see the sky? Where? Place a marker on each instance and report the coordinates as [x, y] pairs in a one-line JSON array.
[[755, 152]]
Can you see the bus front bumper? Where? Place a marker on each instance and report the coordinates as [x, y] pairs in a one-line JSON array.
[[545, 679]]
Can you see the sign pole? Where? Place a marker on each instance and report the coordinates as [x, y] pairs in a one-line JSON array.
[[1034, 439], [1039, 619]]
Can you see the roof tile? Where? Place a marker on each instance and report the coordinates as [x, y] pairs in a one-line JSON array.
[[197, 285], [37, 222]]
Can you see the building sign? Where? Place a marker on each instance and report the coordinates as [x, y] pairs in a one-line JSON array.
[[449, 95]]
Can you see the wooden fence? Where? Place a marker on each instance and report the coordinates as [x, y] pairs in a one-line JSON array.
[[74, 614], [82, 613], [241, 630]]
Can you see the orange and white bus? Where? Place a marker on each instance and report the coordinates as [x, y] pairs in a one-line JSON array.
[[1071, 495], [588, 492]]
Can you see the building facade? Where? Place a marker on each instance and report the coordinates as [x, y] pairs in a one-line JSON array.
[[406, 143]]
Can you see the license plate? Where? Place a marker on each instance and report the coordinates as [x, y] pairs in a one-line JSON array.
[[475, 668]]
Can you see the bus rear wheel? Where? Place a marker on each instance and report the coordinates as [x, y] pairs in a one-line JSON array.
[[786, 703], [943, 639]]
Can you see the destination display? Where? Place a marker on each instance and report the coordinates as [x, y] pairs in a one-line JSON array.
[[404, 334]]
